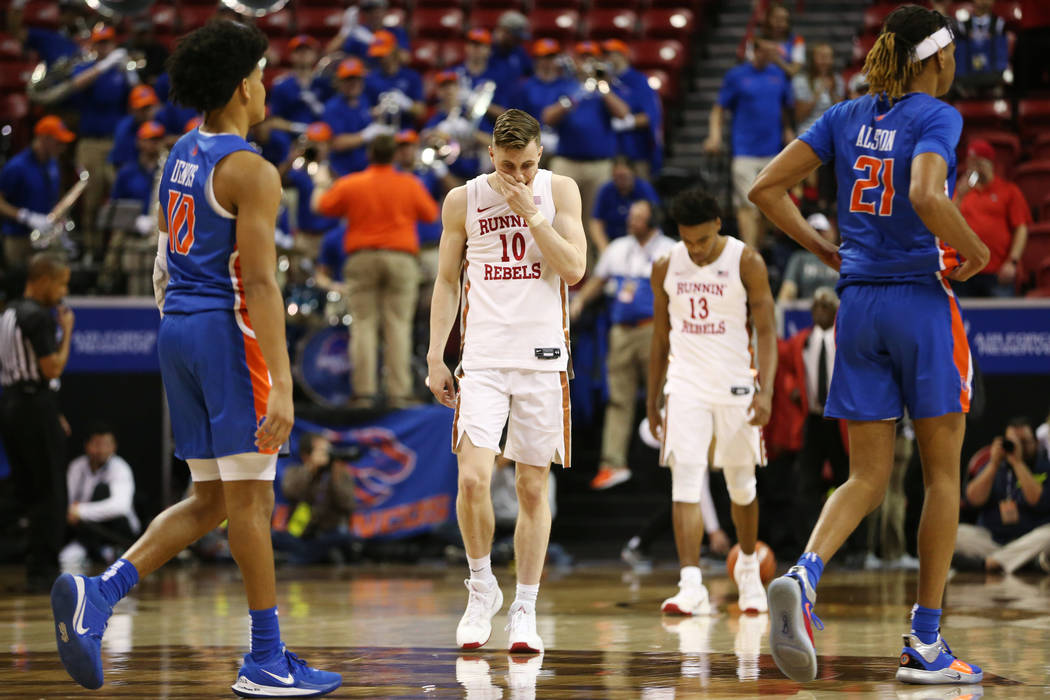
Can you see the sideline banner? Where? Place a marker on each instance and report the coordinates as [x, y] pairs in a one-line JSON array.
[[115, 334], [1007, 336], [404, 470]]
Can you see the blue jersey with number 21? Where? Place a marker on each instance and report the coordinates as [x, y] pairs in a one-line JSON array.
[[202, 238], [872, 143]]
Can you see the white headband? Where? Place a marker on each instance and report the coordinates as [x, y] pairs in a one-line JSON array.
[[932, 44]]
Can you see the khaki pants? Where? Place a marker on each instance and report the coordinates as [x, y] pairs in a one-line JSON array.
[[17, 251], [888, 520], [590, 175], [628, 367], [92, 155], [383, 285], [428, 266], [976, 541], [132, 254]]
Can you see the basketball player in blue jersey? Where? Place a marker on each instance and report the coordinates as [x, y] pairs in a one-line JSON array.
[[900, 339], [223, 361]]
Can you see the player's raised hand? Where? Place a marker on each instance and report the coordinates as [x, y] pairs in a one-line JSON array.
[[517, 194], [277, 425], [761, 408], [441, 384]]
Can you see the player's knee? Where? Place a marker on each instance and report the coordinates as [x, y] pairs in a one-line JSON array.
[[473, 483], [531, 487], [741, 484], [687, 483]]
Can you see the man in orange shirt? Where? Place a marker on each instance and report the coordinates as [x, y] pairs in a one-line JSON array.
[[996, 209], [382, 207]]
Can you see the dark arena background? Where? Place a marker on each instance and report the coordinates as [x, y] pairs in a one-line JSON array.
[[638, 100]]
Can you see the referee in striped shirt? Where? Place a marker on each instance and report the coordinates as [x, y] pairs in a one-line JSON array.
[[31, 357]]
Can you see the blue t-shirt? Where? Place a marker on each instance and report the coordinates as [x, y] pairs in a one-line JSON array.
[[611, 206], [103, 103], [534, 95], [27, 183], [1005, 487], [125, 142], [50, 45], [290, 100], [306, 218], [585, 132], [202, 253], [502, 94], [982, 46], [429, 232], [757, 99], [134, 182], [345, 118], [872, 144], [405, 79], [642, 144], [333, 252], [276, 148], [512, 65]]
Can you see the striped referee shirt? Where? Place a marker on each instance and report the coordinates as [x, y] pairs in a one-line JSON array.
[[27, 333]]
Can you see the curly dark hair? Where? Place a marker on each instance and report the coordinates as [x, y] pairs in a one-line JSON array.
[[693, 207], [209, 63]]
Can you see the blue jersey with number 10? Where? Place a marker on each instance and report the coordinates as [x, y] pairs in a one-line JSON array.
[[202, 238], [872, 143]]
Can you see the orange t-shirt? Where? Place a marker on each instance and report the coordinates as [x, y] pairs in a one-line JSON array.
[[994, 212], [382, 206]]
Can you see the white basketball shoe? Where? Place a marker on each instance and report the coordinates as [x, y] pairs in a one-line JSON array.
[[521, 625], [749, 585], [690, 600], [475, 627]]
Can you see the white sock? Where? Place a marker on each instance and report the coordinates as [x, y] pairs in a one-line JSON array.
[[748, 560], [690, 577], [526, 594], [481, 568]]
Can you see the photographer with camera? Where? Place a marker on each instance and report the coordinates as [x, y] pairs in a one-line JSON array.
[[321, 491], [1013, 526]]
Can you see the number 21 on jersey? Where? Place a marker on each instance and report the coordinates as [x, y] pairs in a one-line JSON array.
[[181, 222], [875, 172]]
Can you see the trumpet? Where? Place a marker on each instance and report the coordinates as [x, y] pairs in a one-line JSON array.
[[60, 225]]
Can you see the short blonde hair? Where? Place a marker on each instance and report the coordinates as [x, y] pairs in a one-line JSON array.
[[515, 129]]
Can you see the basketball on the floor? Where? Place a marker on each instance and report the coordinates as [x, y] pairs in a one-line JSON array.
[[767, 563]]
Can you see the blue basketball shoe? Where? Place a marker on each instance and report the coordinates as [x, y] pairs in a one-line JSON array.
[[791, 623], [81, 615], [285, 676], [933, 663]]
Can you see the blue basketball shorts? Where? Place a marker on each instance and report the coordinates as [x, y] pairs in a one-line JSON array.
[[897, 346], [216, 381]]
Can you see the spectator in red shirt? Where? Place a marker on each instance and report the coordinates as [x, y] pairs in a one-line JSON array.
[[996, 209]]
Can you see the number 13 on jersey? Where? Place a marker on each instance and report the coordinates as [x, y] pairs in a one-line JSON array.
[[874, 172]]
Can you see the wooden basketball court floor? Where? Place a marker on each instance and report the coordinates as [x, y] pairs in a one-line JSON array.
[[390, 631]]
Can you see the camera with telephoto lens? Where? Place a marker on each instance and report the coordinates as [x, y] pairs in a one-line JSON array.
[[1009, 446]]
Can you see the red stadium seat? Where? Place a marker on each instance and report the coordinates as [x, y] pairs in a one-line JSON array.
[[861, 46], [271, 73], [1044, 209], [608, 24], [502, 5], [634, 5], [1042, 280], [437, 23], [14, 108], [1033, 117], [425, 54], [1036, 250], [1040, 150], [14, 76], [319, 22], [41, 14], [984, 114], [299, 4], [662, 83], [452, 53], [1033, 178], [395, 17], [165, 18], [675, 23], [486, 17], [666, 54], [875, 15], [194, 16], [560, 4], [563, 25], [10, 48], [277, 23], [1009, 10]]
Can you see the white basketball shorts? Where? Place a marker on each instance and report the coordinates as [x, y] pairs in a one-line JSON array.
[[690, 426], [533, 405]]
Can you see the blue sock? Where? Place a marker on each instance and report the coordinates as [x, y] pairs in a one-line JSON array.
[[925, 623], [814, 566], [266, 634], [117, 580]]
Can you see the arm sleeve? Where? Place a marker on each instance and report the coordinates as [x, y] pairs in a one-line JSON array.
[[121, 495], [821, 136], [40, 330], [11, 185], [939, 132], [333, 202]]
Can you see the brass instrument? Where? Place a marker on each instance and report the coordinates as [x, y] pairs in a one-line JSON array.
[[60, 225], [472, 106]]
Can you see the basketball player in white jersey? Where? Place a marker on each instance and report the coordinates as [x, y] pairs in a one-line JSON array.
[[704, 291], [516, 237]]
